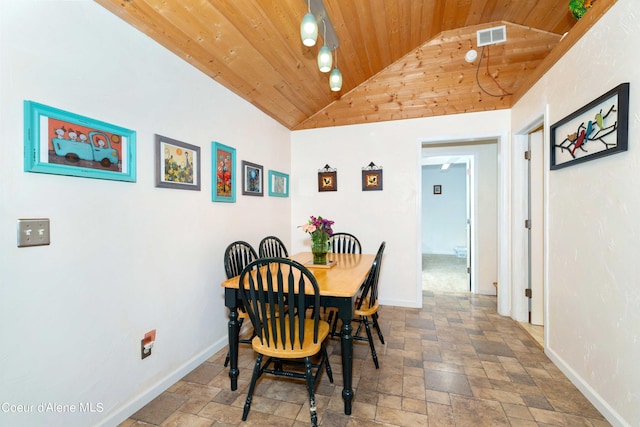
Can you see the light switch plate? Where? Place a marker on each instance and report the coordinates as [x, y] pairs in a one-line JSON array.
[[33, 232]]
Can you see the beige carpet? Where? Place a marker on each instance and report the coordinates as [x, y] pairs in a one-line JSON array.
[[444, 273]]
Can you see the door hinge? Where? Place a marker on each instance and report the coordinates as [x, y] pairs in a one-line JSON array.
[[468, 270], [527, 155], [527, 224], [527, 293]]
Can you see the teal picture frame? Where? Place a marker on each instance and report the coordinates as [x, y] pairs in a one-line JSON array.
[[278, 184], [223, 178], [63, 143]]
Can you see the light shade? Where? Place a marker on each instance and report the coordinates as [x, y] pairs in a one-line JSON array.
[[309, 30], [325, 59], [335, 80]]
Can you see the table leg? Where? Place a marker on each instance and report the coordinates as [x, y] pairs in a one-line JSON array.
[[346, 342], [234, 331]]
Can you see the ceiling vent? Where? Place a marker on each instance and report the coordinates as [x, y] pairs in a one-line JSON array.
[[492, 36]]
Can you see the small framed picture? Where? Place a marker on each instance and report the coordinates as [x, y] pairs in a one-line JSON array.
[[327, 181], [63, 143], [437, 189], [278, 184], [177, 164], [223, 179], [372, 180], [252, 179]]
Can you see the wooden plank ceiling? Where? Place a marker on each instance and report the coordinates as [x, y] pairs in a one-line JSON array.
[[399, 59]]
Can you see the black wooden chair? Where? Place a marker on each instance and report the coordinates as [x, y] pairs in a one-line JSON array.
[[272, 247], [278, 295], [345, 243], [237, 256], [340, 243], [366, 307]]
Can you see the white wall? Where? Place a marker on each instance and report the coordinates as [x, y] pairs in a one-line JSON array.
[[392, 215], [124, 258], [593, 310], [444, 216]]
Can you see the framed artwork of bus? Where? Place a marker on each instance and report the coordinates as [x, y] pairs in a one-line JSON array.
[[64, 143]]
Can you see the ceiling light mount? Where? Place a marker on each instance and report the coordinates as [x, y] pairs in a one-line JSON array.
[[471, 55]]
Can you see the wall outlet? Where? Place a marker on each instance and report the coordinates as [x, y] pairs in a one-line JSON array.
[[145, 348], [33, 232], [146, 344]]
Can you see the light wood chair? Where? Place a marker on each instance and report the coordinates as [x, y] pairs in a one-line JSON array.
[[278, 295], [340, 243], [366, 308]]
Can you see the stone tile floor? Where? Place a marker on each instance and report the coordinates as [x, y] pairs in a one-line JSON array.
[[455, 362]]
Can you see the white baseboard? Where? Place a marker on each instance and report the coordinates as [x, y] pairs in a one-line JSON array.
[[601, 405], [400, 303], [135, 404]]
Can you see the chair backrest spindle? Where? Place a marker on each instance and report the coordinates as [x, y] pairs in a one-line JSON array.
[[237, 255], [272, 247], [345, 243]]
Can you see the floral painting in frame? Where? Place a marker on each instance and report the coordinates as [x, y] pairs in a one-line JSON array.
[[223, 185]]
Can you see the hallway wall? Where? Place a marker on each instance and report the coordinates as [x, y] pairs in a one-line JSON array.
[[593, 313]]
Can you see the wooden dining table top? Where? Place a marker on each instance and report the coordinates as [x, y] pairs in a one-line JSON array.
[[340, 280]]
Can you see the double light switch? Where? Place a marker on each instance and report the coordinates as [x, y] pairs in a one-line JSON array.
[[33, 232]]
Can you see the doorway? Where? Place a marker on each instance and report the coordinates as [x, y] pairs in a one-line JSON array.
[[480, 226], [446, 207]]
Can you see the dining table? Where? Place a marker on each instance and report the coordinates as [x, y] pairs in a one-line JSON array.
[[339, 281]]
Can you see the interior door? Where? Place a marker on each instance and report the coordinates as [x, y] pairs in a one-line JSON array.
[[536, 227]]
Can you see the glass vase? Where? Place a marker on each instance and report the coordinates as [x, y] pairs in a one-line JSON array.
[[319, 250]]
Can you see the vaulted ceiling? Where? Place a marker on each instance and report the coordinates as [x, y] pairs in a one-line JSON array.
[[399, 59]]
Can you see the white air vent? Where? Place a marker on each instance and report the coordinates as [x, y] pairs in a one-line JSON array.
[[492, 35]]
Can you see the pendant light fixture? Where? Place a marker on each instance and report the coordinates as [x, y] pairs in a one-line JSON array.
[[309, 28], [335, 78], [325, 57], [309, 35]]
